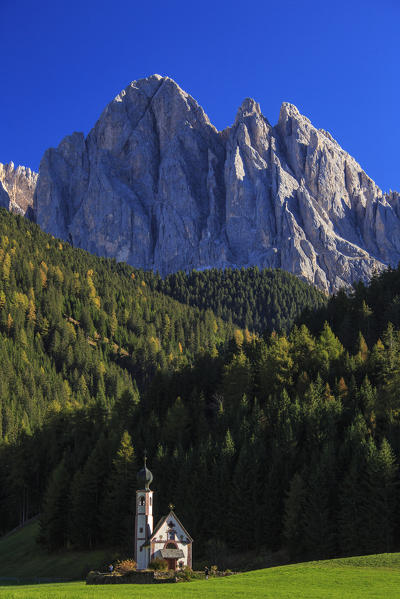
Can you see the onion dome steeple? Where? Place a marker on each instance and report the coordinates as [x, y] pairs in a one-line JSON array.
[[144, 476]]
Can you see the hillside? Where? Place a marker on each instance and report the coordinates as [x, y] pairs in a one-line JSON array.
[[81, 339], [76, 328], [21, 557], [78, 333], [278, 442]]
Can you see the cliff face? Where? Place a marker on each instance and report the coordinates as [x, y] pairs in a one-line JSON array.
[[156, 185], [17, 186]]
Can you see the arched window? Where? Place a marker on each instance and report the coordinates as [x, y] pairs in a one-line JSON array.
[[141, 500], [150, 500], [170, 546]]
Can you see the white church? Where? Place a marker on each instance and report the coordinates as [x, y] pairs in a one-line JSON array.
[[168, 540]]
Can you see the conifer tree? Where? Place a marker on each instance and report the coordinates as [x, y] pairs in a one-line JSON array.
[[242, 500], [350, 517], [54, 514], [119, 500], [87, 496], [319, 519], [380, 498], [294, 517]]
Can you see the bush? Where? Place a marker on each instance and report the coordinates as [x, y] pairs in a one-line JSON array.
[[92, 576], [185, 574], [158, 564], [125, 566]]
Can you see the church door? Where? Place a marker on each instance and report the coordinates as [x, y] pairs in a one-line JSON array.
[[171, 563]]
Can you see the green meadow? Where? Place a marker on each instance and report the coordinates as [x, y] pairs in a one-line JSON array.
[[21, 557], [371, 577], [366, 577]]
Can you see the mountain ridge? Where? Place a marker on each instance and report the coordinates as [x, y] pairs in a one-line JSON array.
[[155, 184]]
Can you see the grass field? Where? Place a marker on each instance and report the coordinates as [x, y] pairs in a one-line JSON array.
[[371, 577], [367, 577]]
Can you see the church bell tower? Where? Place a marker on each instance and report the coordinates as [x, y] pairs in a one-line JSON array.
[[144, 517]]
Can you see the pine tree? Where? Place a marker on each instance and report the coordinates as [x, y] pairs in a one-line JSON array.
[[318, 518], [380, 496], [294, 516], [242, 501], [87, 495], [277, 367], [350, 519], [54, 515], [119, 498]]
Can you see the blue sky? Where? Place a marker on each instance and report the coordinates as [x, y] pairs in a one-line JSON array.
[[338, 62]]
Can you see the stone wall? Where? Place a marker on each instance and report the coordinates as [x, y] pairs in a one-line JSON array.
[[132, 578]]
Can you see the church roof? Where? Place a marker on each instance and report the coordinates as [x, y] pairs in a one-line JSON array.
[[163, 519], [144, 476], [172, 553]]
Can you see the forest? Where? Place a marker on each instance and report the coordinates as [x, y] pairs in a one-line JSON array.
[[258, 300], [274, 430]]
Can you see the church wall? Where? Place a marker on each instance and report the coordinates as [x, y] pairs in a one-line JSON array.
[[163, 537], [143, 558], [143, 527]]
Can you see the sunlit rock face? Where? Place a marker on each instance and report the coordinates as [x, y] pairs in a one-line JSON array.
[[17, 186], [155, 184]]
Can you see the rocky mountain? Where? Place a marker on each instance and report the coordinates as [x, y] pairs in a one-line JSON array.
[[155, 184], [17, 186]]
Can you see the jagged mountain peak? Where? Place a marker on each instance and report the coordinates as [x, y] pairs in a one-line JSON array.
[[9, 169], [155, 184], [288, 109], [148, 86], [248, 107], [17, 186], [152, 88], [152, 102]]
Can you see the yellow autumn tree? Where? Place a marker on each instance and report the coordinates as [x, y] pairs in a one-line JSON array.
[[6, 267]]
